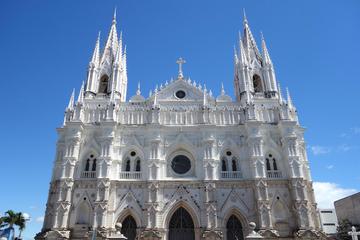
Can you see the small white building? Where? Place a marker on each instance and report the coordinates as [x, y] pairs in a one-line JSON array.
[[328, 220], [181, 164]]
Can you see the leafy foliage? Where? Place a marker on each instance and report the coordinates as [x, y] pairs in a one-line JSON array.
[[342, 230], [12, 218]]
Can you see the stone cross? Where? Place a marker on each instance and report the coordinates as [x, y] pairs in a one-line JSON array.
[[180, 61], [354, 235]]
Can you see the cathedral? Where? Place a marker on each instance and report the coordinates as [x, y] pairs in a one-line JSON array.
[[182, 163]]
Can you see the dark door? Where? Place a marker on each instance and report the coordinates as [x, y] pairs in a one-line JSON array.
[[129, 228], [181, 226], [234, 229]]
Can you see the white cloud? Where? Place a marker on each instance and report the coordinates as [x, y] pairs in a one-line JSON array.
[[326, 193], [40, 219], [330, 167], [318, 150]]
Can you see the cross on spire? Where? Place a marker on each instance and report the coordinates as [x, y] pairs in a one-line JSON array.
[[180, 61]]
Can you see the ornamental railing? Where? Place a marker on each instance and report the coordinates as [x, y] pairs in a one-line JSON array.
[[231, 174], [274, 174], [130, 175], [88, 174]]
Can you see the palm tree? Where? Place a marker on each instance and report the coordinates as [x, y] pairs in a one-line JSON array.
[[12, 218], [20, 222]]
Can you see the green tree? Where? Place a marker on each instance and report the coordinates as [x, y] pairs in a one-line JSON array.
[[342, 230], [12, 218]]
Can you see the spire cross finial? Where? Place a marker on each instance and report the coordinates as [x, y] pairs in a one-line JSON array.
[[114, 17], [180, 61]]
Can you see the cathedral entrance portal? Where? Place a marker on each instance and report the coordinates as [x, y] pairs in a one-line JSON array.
[[181, 226], [129, 228], [234, 230]]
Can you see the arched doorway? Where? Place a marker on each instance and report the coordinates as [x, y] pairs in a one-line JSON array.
[[234, 230], [181, 226], [129, 228]]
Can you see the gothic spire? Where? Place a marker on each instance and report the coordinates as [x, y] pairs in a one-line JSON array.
[[249, 40], [71, 101], [242, 54], [222, 89], [119, 52], [289, 100], [235, 56], [81, 94], [265, 52], [112, 41], [96, 54], [138, 91]]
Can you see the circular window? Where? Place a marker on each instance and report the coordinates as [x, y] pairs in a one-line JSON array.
[[132, 153], [181, 164], [180, 94], [228, 153]]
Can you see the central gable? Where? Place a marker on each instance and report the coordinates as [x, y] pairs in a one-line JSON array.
[[180, 90]]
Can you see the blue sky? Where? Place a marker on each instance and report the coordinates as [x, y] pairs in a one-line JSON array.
[[45, 47]]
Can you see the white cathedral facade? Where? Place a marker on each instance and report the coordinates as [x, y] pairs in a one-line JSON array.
[[181, 164]]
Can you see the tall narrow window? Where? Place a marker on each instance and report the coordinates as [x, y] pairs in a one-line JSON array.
[[234, 168], [103, 85], [257, 83], [223, 165], [268, 167], [87, 165], [127, 167], [234, 230], [274, 164], [94, 165], [138, 167]]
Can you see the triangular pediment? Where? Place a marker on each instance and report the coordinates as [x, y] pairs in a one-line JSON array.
[[192, 92]]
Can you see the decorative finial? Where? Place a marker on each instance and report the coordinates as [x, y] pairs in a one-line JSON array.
[[244, 14], [222, 89], [138, 92], [180, 61], [114, 17]]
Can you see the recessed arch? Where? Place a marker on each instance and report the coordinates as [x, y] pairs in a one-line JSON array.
[[257, 83], [234, 211], [181, 225], [83, 213], [181, 204], [129, 228], [104, 84], [234, 229]]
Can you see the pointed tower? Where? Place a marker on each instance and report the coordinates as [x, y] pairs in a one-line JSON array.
[[268, 70], [93, 69]]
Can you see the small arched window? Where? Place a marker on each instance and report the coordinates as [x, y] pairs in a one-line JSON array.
[[274, 164], [223, 165], [87, 165], [233, 163], [257, 83], [272, 167], [138, 167], [127, 167], [94, 165], [268, 167], [103, 85]]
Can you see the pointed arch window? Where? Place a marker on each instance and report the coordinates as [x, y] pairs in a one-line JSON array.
[[138, 166], [89, 168], [181, 226], [257, 84], [272, 167], [129, 228], [103, 84], [131, 166], [83, 214], [234, 230], [230, 167], [233, 164], [223, 165]]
